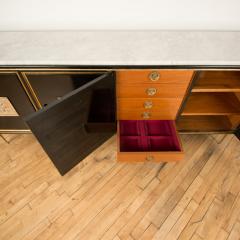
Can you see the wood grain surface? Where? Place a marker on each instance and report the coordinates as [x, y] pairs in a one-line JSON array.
[[197, 198]]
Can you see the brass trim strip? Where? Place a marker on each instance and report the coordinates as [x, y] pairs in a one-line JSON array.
[[32, 95], [204, 132], [26, 90], [62, 72], [7, 72], [119, 69], [86, 70], [12, 131]]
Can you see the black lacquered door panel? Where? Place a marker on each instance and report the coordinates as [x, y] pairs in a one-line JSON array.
[[12, 88], [71, 128]]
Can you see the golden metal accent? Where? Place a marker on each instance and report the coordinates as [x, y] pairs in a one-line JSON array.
[[146, 115], [154, 76], [83, 70], [64, 68], [149, 158], [10, 131], [56, 72], [151, 91], [148, 104], [29, 90]]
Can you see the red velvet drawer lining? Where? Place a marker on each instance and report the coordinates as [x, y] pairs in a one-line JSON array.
[[148, 135]]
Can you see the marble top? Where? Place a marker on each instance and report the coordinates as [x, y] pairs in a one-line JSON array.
[[120, 48]]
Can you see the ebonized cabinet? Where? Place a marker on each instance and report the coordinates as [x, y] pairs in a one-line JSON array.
[[72, 112], [12, 88]]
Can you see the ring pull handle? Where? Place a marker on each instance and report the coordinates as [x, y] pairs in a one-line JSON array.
[[148, 104], [151, 91], [154, 76], [146, 115], [149, 158]]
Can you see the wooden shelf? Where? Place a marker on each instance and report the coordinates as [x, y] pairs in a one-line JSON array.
[[217, 81], [204, 124], [212, 104]]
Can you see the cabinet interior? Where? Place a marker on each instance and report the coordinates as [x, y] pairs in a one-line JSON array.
[[217, 81], [49, 86], [213, 104], [102, 106]]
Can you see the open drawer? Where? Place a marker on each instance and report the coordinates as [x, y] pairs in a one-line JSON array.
[[148, 140]]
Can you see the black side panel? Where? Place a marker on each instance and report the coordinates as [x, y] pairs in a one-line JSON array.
[[11, 87], [73, 127]]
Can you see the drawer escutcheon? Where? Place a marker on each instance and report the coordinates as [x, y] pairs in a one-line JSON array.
[[151, 91], [146, 115], [148, 104], [149, 158], [154, 76]]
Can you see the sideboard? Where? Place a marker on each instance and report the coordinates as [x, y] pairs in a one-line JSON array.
[[73, 108]]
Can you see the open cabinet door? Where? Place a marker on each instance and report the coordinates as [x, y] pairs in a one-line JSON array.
[[71, 128]]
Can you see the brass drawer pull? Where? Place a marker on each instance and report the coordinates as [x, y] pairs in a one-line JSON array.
[[151, 91], [149, 158], [148, 104], [146, 115], [154, 76]]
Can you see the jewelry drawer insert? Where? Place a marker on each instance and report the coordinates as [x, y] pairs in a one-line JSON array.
[[148, 140]]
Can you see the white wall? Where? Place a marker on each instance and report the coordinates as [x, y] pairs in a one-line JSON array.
[[119, 14]]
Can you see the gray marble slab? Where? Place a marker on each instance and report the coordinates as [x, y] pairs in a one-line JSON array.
[[120, 48]]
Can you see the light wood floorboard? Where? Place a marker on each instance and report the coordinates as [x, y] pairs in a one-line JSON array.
[[197, 199]]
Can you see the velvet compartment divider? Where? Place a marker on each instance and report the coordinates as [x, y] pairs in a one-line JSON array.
[[148, 135]]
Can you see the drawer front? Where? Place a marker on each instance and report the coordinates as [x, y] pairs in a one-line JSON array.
[[148, 141], [150, 156], [151, 91], [145, 115], [154, 76], [161, 108]]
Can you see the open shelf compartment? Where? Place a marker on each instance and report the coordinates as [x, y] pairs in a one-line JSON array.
[[217, 81], [204, 124], [212, 104]]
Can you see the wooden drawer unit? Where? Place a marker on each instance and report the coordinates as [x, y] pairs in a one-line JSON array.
[[147, 105], [150, 141], [154, 76], [15, 103], [158, 108], [143, 115]]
